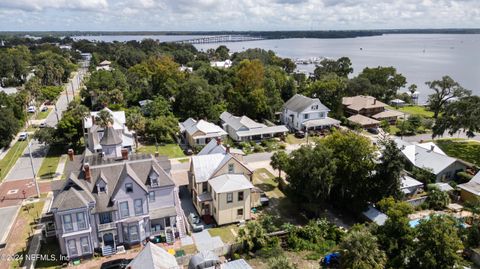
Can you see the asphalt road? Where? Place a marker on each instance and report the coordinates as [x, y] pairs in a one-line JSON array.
[[23, 168]]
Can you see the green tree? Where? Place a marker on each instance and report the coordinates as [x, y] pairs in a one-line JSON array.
[[445, 90], [136, 122], [355, 156], [50, 93], [384, 82], [424, 175], [461, 115], [311, 173], [437, 199], [360, 250], [396, 236], [330, 89], [162, 129], [253, 236], [415, 122], [438, 244], [47, 135], [9, 126], [279, 161], [389, 169], [342, 67], [221, 53], [104, 118]]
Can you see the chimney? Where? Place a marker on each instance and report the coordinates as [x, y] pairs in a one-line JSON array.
[[70, 154], [219, 140], [432, 147], [227, 148], [125, 154], [88, 173], [374, 101]]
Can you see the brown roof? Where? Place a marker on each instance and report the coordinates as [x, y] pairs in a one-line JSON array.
[[362, 120], [387, 114], [360, 102]]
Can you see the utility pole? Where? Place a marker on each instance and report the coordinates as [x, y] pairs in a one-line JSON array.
[[33, 169]]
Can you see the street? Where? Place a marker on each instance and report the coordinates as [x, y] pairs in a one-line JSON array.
[[23, 168]]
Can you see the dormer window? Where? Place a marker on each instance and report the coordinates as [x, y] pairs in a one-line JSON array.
[[314, 107], [102, 189], [231, 168], [154, 181], [128, 187]]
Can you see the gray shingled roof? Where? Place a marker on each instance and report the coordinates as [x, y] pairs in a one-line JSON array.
[[153, 257], [112, 173], [299, 103], [110, 137]]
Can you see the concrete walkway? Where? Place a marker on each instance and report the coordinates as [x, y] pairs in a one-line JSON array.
[[60, 167]]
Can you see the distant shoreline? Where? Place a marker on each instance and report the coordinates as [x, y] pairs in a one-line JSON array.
[[264, 34]]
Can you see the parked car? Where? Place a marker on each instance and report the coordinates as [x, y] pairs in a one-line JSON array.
[[264, 200], [372, 130], [194, 220], [188, 152], [299, 134], [31, 109], [116, 264], [42, 125], [44, 108], [23, 136]]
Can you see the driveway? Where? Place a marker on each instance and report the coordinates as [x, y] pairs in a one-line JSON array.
[[9, 215]]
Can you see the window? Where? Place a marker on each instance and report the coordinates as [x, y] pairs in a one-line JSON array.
[[124, 212], [231, 168], [314, 107], [67, 223], [128, 187], [240, 196], [81, 221], [167, 221], [138, 204], [153, 180], [151, 196], [85, 245], [105, 217], [321, 114], [134, 233], [229, 197], [72, 247], [101, 189], [305, 116], [240, 212]]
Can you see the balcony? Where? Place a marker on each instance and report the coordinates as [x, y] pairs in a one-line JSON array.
[[107, 226]]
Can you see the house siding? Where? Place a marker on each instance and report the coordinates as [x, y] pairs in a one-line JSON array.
[[227, 212], [450, 172]]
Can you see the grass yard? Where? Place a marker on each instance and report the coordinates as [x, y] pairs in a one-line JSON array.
[[467, 150], [415, 110], [23, 228], [225, 233], [50, 163], [280, 204], [11, 158], [43, 115], [298, 259], [170, 150], [52, 249], [291, 139]]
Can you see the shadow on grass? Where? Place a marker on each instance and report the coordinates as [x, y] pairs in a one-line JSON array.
[[265, 187]]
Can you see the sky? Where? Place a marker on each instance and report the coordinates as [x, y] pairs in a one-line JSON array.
[[211, 15]]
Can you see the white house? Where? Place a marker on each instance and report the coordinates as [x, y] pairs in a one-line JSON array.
[[429, 156], [222, 64], [94, 133], [105, 65], [200, 132], [245, 129], [301, 113]]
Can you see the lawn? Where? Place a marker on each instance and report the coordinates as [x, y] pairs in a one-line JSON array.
[[415, 110], [225, 233], [11, 158], [291, 139], [50, 163], [43, 114], [280, 204], [23, 231], [170, 150], [52, 249], [467, 150]]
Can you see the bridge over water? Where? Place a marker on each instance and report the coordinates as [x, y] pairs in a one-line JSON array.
[[219, 39]]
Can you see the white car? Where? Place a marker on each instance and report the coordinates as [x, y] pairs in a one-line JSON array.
[[23, 136], [31, 109]]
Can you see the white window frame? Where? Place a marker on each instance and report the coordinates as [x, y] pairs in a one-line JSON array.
[[238, 196], [82, 220], [122, 209], [65, 223], [128, 187], [151, 196], [229, 197], [69, 247], [84, 242], [231, 168], [137, 233], [136, 206]]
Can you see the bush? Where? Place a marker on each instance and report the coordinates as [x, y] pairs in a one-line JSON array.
[[437, 199], [463, 177], [280, 262], [258, 148], [282, 146]]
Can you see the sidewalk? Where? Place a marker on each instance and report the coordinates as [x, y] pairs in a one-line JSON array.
[[60, 167]]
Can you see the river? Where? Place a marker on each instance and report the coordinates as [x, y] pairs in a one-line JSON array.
[[419, 57]]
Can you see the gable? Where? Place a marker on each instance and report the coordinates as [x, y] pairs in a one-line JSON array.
[[239, 168], [121, 192]]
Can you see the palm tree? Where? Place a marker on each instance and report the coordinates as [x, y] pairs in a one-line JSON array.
[[253, 236], [136, 122], [360, 250], [104, 118]]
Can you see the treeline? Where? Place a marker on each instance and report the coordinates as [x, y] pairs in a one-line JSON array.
[[37, 71]]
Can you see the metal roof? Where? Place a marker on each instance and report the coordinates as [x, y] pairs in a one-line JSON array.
[[375, 215], [230, 183], [321, 122]]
